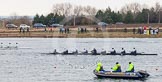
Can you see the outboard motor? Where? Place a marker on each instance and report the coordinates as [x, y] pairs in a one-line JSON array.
[[143, 73]]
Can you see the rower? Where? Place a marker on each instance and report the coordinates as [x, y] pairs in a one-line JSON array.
[[123, 51], [94, 51], [54, 51], [113, 52], [85, 51], [134, 52], [117, 67], [75, 52], [65, 52], [103, 52], [131, 67]]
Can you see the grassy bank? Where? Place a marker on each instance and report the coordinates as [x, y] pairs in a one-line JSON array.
[[109, 33]]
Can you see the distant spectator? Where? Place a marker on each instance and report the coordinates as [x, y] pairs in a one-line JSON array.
[[134, 30], [45, 29], [85, 29], [65, 30], [153, 31], [68, 31], [140, 30], [27, 29], [145, 30], [81, 30], [157, 31], [150, 28], [125, 30], [51, 29], [60, 30], [20, 30], [96, 29], [23, 30]]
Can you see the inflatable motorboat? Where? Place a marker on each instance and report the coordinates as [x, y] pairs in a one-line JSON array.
[[124, 75]]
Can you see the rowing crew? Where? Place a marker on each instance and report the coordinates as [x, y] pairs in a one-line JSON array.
[[133, 52], [9, 45], [94, 51]]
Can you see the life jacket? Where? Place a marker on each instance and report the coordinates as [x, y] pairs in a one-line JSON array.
[[117, 68], [99, 65], [131, 68], [123, 52]]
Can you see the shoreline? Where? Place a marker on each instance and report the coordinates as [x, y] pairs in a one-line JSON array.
[[81, 36], [40, 33]]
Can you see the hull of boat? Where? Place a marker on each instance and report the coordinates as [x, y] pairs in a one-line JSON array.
[[123, 75]]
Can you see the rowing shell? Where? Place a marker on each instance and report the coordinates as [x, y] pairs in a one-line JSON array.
[[97, 54]]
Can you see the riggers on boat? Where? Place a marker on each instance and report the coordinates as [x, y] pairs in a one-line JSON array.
[[124, 75]]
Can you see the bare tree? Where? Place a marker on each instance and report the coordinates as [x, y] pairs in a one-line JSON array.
[[158, 11], [90, 10], [25, 20], [13, 18], [133, 7], [125, 9], [78, 10], [62, 9], [157, 7], [56, 9], [67, 9]]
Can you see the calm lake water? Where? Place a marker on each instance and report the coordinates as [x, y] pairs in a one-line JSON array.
[[28, 64]]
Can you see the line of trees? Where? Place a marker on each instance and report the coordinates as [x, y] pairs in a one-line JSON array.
[[49, 19], [66, 10], [129, 14], [132, 13]]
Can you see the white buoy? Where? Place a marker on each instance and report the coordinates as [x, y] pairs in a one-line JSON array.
[[1, 45], [9, 44], [16, 45]]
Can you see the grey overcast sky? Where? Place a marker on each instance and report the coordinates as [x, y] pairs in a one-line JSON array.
[[31, 7]]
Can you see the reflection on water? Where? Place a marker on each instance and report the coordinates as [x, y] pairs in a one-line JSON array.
[[27, 64]]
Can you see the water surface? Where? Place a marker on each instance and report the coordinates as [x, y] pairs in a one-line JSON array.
[[27, 64]]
